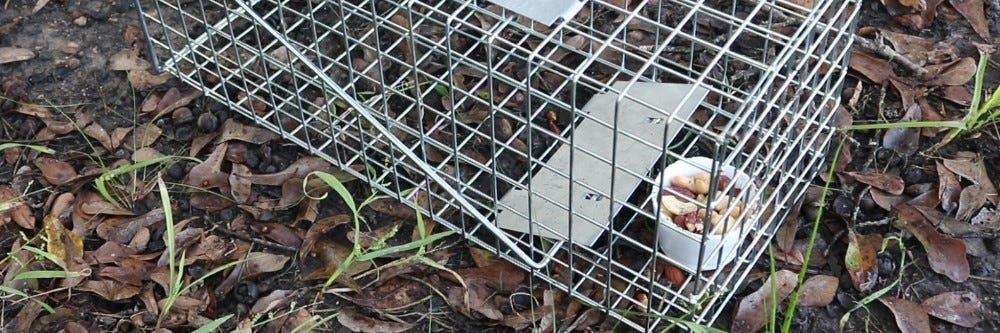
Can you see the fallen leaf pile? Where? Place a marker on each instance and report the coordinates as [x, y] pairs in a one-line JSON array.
[[898, 186]]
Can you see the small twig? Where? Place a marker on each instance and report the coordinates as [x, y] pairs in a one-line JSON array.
[[876, 223], [984, 278], [886, 51], [261, 242]]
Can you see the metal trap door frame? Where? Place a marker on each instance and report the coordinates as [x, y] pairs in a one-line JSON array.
[[623, 133]]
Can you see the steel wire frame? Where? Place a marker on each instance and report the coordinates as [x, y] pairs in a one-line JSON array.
[[778, 131]]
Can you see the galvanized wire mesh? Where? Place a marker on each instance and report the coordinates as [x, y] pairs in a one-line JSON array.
[[480, 117]]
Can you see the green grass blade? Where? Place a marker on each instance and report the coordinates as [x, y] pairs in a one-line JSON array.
[[41, 253], [909, 124], [813, 234], [404, 247], [45, 275], [971, 119], [12, 291], [101, 182], [212, 325], [340, 269], [171, 244], [210, 274], [41, 149], [337, 186]]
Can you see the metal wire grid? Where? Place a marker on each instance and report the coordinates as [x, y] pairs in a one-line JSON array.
[[767, 113]]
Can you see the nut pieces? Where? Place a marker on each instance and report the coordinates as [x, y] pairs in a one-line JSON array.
[[687, 215]]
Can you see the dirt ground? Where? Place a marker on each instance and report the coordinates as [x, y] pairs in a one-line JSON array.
[[72, 43]]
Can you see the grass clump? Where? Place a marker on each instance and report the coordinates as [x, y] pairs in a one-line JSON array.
[[379, 250]]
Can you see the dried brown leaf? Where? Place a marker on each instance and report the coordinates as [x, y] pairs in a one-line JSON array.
[[17, 211], [961, 308], [370, 238], [904, 141], [97, 205], [262, 262], [143, 79], [751, 315], [232, 130], [875, 69], [127, 60], [394, 296], [109, 289], [861, 259], [970, 200], [318, 230], [955, 73], [144, 136], [355, 321], [274, 300], [948, 188], [299, 169], [291, 192], [145, 154], [111, 252], [912, 47], [209, 202], [971, 167], [332, 255], [974, 12], [239, 181], [128, 270], [14, 54], [308, 211], [149, 104], [819, 290], [54, 171], [279, 233], [910, 316], [174, 99], [97, 132], [122, 230], [946, 255], [11, 155], [908, 93], [885, 200], [118, 135], [890, 183], [65, 246], [208, 174], [501, 276], [958, 94]]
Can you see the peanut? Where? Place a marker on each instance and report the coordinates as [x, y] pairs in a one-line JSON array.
[[701, 183], [721, 202], [683, 182], [676, 207]]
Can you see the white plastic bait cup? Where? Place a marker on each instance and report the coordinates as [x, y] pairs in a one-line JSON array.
[[682, 246]]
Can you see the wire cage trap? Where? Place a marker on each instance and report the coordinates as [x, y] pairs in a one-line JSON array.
[[551, 132]]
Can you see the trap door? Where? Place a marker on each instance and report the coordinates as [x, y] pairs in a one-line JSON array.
[[592, 169], [547, 12]]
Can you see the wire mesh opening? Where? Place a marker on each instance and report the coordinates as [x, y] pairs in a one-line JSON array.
[[487, 100]]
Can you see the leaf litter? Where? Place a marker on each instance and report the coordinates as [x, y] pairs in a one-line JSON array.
[[132, 239]]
